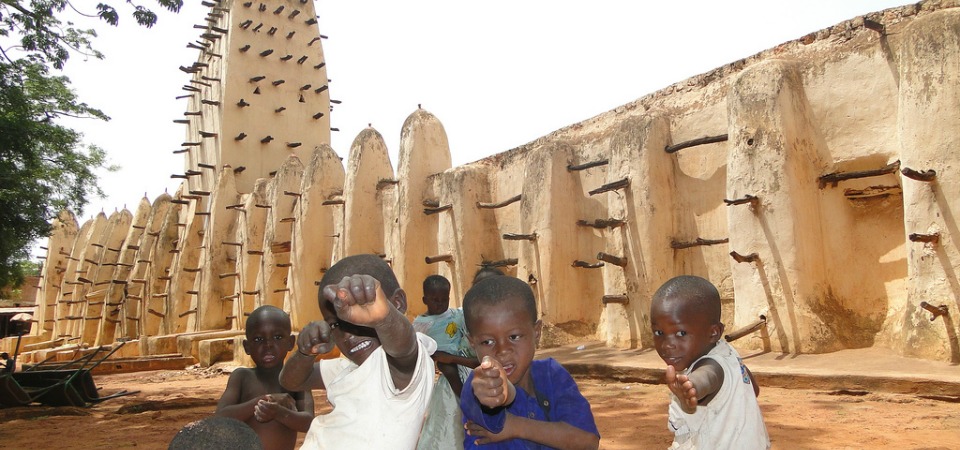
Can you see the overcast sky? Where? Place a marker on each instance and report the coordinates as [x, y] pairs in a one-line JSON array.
[[497, 74]]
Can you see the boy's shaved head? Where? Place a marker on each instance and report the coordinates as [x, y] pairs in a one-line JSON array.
[[693, 291], [495, 290], [436, 283], [371, 265], [216, 432], [265, 313]]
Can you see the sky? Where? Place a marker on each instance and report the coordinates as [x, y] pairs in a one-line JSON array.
[[497, 74]]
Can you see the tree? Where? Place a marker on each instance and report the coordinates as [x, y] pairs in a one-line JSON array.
[[45, 167]]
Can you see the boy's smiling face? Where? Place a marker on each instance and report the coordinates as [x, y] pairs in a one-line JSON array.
[[506, 332], [355, 342], [268, 341], [681, 334]]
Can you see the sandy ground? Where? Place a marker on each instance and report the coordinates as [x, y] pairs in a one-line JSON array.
[[630, 416]]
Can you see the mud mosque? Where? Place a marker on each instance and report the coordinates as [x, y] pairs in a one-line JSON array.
[[812, 182]]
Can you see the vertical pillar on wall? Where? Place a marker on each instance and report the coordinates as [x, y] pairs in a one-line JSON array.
[[550, 207], [774, 156], [929, 111], [424, 152], [636, 153], [159, 269], [282, 195], [363, 210], [253, 220], [133, 313], [466, 231], [65, 232], [314, 234], [86, 252], [180, 315], [214, 302], [115, 294]]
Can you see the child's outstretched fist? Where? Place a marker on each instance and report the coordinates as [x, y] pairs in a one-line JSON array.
[[359, 300], [315, 339], [491, 385], [683, 388]]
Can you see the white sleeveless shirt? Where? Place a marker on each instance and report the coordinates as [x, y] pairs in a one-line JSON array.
[[732, 419]]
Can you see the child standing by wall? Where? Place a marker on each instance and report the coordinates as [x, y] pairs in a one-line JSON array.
[[443, 429], [381, 385], [714, 396], [255, 396], [511, 401]]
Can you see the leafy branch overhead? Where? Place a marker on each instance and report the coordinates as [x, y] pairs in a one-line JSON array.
[[45, 167]]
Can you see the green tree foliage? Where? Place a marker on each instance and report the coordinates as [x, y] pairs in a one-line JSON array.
[[44, 167]]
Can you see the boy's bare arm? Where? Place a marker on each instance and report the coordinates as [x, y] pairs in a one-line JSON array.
[[448, 358], [698, 387], [560, 435], [230, 405], [301, 372], [360, 300]]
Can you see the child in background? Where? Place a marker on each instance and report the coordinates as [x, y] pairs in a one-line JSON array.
[[511, 401], [454, 358], [713, 394], [255, 396], [381, 385]]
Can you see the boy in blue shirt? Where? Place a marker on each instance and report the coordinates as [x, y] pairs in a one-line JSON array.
[[511, 401]]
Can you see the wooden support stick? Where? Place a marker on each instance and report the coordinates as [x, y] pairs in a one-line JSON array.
[[228, 275], [439, 258], [747, 329], [680, 245], [230, 297], [932, 238], [619, 184], [334, 201], [187, 313], [520, 237], [432, 211], [753, 257], [586, 265], [602, 223], [500, 263], [155, 312], [384, 182], [585, 166], [612, 259], [514, 199], [937, 311], [694, 142], [926, 175], [836, 177], [615, 298], [256, 292], [752, 200]]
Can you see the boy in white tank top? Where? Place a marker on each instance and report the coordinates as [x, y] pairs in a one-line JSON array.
[[713, 394]]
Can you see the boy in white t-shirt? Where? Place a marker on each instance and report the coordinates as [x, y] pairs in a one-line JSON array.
[[381, 385], [714, 396]]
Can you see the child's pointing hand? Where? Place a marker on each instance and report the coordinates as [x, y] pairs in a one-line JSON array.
[[315, 339], [491, 385]]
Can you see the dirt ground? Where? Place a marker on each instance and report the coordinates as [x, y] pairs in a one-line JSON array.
[[630, 416]]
